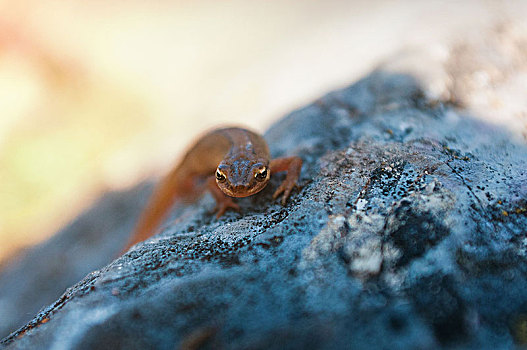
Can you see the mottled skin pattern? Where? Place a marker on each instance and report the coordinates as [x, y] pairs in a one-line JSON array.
[[230, 162]]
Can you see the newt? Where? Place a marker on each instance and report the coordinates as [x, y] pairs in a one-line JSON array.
[[230, 162]]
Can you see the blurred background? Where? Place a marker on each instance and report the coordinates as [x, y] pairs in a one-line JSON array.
[[98, 95]]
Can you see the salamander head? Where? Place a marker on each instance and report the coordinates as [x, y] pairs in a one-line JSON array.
[[243, 177]]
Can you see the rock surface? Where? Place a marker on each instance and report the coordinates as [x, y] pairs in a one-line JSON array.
[[409, 232], [39, 276]]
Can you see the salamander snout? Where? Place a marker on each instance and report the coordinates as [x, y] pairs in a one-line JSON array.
[[240, 188], [242, 178]]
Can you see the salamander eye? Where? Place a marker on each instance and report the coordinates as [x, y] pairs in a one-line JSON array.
[[220, 176], [261, 175]]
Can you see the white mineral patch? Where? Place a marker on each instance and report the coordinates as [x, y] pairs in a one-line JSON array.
[[361, 204]]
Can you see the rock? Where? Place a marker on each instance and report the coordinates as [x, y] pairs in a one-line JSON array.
[[39, 276], [408, 232]]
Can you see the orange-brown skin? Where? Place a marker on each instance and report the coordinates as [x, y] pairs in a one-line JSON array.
[[230, 162]]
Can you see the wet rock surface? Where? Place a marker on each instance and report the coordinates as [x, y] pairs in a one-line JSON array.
[[409, 231]]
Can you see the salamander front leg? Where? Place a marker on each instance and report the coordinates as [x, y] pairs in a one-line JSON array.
[[223, 202], [292, 165]]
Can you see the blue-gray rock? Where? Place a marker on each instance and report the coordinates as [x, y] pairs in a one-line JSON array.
[[409, 231]]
